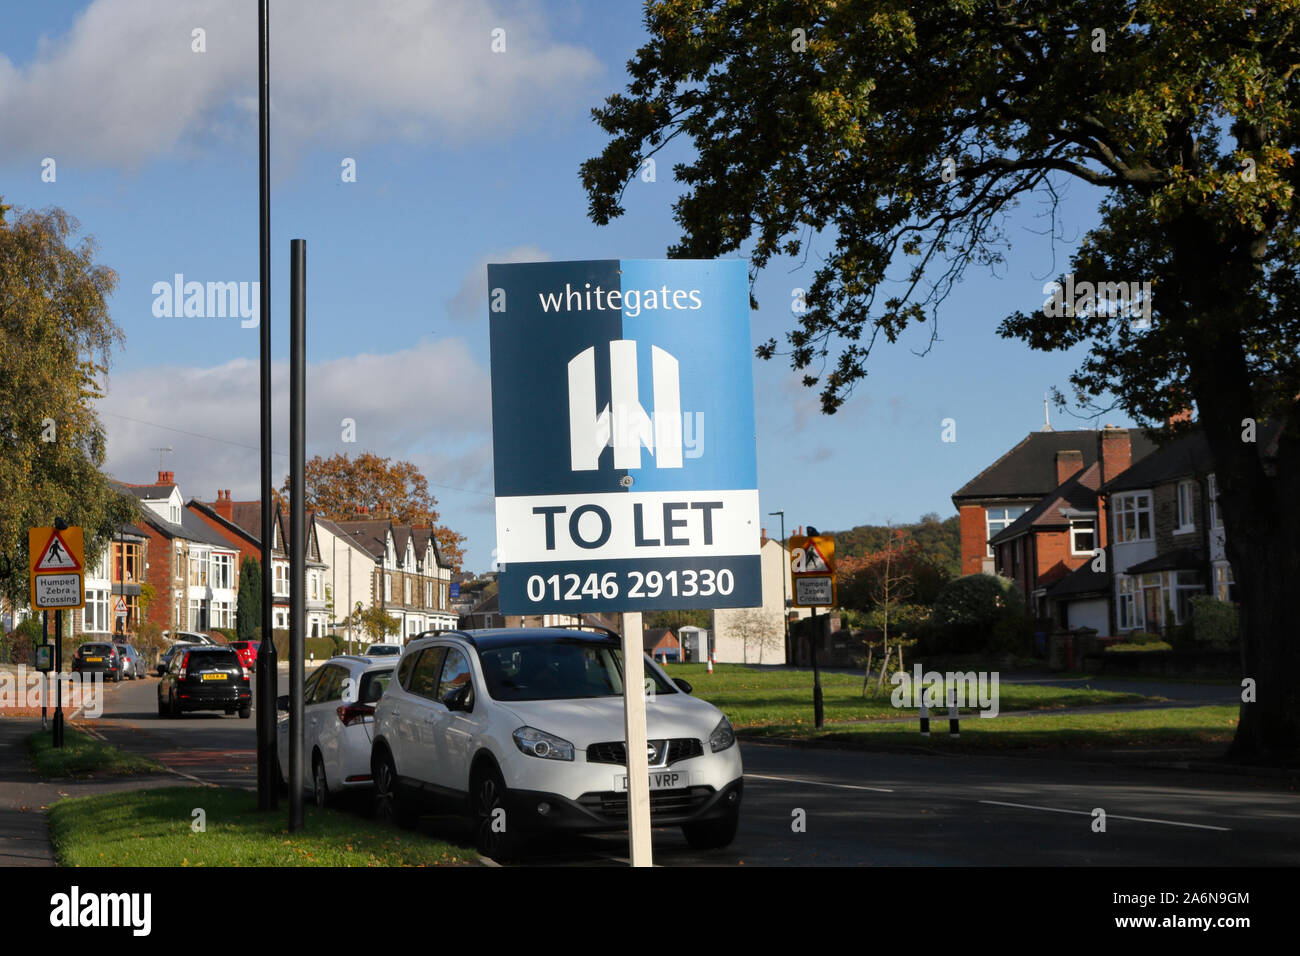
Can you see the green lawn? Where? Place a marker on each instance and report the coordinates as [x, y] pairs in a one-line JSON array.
[[154, 828], [84, 756], [1171, 727], [761, 698]]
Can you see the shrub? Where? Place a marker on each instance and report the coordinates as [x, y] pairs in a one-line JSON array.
[[976, 613], [1214, 623], [1141, 637]]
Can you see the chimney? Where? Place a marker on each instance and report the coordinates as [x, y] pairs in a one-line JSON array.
[[1068, 464], [762, 538], [1113, 451], [166, 477], [223, 506]]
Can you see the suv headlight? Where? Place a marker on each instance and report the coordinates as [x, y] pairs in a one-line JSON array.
[[723, 736], [538, 743]]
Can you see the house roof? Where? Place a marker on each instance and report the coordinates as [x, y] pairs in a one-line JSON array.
[[1077, 494], [1181, 458], [236, 528], [151, 492], [1080, 582], [191, 528], [651, 636], [1029, 469], [370, 535], [1181, 559]]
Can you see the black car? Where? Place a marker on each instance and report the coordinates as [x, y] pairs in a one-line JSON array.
[[165, 661], [101, 658], [205, 677]]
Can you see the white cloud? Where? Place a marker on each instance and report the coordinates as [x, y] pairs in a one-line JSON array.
[[123, 85], [429, 405], [470, 300]]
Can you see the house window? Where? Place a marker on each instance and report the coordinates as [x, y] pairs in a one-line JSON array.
[[176, 514], [428, 594], [1082, 536], [198, 615], [95, 615], [406, 591], [199, 569], [1212, 492], [388, 587], [1186, 517], [1129, 610], [1187, 584], [314, 581], [281, 619], [999, 518], [281, 579], [223, 571], [1133, 517], [126, 562], [221, 615]]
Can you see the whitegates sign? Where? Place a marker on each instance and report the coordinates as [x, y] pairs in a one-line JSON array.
[[610, 496]]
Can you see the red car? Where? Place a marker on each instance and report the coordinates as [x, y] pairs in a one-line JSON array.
[[247, 651]]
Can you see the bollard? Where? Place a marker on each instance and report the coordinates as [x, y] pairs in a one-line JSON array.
[[925, 720], [953, 727]]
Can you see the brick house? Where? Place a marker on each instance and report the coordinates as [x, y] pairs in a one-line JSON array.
[[113, 579], [1167, 539], [1037, 467], [192, 569]]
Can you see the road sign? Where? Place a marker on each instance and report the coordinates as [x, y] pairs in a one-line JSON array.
[[119, 607], [623, 436], [56, 561], [812, 568]]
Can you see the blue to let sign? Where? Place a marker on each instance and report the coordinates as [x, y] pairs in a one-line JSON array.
[[623, 436]]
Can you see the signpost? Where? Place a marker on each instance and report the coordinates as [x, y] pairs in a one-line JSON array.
[[624, 456], [56, 565], [812, 567]]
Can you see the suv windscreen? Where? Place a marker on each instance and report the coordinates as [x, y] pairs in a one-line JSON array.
[[563, 669], [209, 660]]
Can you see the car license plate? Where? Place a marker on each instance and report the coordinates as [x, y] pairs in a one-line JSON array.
[[214, 676], [94, 660], [659, 780]]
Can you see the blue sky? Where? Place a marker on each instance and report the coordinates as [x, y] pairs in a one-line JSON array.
[[463, 156]]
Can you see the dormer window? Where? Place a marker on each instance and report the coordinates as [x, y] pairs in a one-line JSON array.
[[1083, 536]]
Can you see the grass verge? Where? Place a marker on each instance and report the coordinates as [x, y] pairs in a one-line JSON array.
[[155, 828], [84, 756], [760, 698], [1190, 727]]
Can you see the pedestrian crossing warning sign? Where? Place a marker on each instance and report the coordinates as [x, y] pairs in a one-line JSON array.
[[813, 560], [812, 567], [57, 555], [56, 561]]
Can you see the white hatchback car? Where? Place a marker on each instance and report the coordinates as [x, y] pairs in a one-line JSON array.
[[529, 721], [338, 716]]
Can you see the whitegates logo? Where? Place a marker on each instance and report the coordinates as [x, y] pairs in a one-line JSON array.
[[624, 423]]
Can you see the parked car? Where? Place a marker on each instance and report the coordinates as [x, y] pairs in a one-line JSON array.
[[188, 637], [384, 650], [205, 678], [530, 721], [98, 658], [133, 663], [247, 651], [338, 718], [165, 661]]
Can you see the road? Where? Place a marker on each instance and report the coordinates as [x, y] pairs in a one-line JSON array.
[[862, 809]]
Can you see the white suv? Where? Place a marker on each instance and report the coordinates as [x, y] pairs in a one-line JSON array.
[[523, 729]]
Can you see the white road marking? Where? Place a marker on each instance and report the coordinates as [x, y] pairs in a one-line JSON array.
[[819, 783], [1110, 816]]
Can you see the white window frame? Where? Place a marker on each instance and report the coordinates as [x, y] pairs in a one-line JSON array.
[[94, 617], [1003, 521], [388, 588], [199, 570], [406, 590], [1076, 527], [281, 579], [223, 571], [1128, 609], [1212, 493], [1186, 510], [1137, 504]]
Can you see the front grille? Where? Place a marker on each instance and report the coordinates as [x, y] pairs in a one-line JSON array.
[[612, 805], [613, 751]]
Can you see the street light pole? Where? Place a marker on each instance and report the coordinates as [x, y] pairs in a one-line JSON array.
[[785, 596]]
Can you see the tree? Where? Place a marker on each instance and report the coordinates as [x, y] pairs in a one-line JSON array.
[[248, 606], [56, 339], [900, 136], [890, 583], [377, 622], [337, 486]]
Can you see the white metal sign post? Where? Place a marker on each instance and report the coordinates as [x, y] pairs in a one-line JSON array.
[[623, 454]]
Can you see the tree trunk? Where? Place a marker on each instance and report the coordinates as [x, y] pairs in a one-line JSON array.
[[866, 678]]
